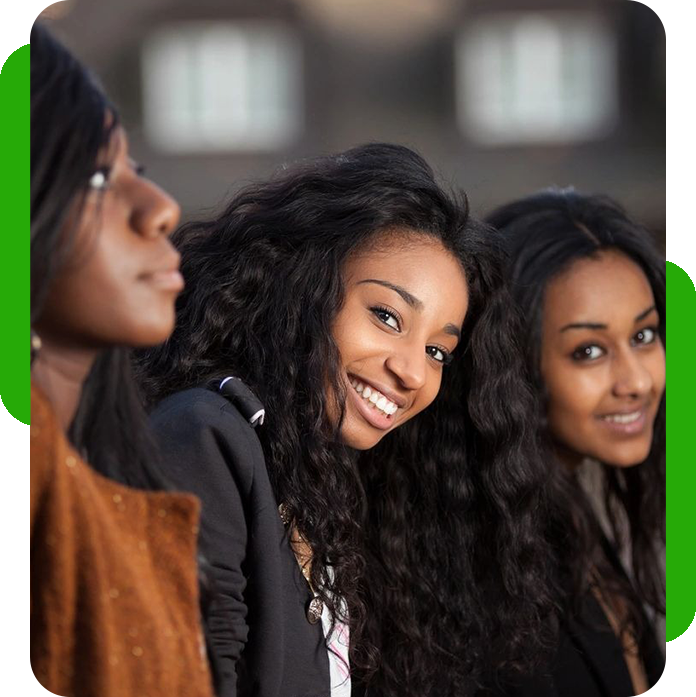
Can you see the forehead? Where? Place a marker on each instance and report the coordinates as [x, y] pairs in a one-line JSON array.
[[606, 288], [402, 252], [418, 263]]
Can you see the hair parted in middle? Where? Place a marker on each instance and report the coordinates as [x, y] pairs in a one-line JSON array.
[[546, 233], [435, 536]]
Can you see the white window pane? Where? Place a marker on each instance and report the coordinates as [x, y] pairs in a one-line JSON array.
[[216, 86], [536, 77]]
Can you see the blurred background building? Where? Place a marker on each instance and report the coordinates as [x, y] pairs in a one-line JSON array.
[[503, 97]]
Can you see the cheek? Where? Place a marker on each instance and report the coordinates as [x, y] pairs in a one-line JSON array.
[[360, 344], [349, 334], [102, 302], [573, 396], [426, 395], [107, 280]]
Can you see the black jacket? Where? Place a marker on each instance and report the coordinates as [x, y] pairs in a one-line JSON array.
[[589, 659], [263, 643], [589, 662]]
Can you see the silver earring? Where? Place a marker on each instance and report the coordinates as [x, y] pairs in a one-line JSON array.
[[35, 345]]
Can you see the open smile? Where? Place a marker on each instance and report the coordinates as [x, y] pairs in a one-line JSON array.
[[374, 406], [627, 423]]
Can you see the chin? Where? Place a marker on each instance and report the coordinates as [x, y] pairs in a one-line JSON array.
[[361, 443], [626, 456], [358, 439], [625, 461], [153, 334]]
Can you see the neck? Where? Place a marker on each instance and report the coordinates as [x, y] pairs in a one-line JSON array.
[[60, 372]]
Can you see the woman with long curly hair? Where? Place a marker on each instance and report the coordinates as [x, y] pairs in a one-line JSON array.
[[347, 292], [114, 579], [592, 286]]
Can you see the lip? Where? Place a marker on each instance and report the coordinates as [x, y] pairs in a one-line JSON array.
[[165, 279], [388, 393], [375, 417], [632, 428]]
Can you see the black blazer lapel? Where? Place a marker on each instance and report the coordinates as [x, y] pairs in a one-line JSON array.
[[594, 638]]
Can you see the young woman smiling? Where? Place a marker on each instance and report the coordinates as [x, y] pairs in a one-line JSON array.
[[593, 288], [114, 589], [347, 292]]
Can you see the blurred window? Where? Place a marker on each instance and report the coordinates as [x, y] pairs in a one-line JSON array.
[[536, 78], [222, 86]]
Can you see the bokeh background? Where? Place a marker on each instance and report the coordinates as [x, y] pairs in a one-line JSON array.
[[503, 97]]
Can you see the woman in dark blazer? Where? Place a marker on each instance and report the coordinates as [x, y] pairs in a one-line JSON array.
[[593, 288], [344, 292], [257, 579]]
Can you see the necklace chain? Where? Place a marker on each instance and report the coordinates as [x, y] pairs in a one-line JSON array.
[[304, 557]]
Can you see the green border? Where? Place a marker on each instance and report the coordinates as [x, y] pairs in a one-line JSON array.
[[14, 127], [681, 479], [14, 290]]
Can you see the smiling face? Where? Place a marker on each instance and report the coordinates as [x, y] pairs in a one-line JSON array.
[[119, 285], [602, 360], [405, 303]]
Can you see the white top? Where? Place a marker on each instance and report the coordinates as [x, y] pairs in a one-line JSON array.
[[339, 664]]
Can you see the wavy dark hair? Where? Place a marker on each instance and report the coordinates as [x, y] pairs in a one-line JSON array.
[[546, 233], [434, 537]]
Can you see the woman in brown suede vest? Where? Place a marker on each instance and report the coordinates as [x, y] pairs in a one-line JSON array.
[[114, 580]]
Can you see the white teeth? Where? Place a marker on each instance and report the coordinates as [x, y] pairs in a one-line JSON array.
[[374, 397], [624, 418]]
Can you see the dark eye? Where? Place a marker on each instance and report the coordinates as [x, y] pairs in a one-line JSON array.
[[387, 317], [99, 181], [439, 354], [590, 352], [645, 336], [139, 169]]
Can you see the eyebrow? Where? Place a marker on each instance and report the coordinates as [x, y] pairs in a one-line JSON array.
[[411, 300], [596, 325], [453, 330], [414, 302]]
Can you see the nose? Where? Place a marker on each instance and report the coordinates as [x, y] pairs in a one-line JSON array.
[[632, 378], [155, 212], [408, 364]]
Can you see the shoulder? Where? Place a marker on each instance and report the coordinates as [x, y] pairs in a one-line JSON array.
[[203, 425], [199, 406], [186, 413], [48, 446], [61, 480], [43, 424]]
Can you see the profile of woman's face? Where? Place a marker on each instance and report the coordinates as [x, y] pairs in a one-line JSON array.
[[602, 360], [119, 285], [405, 303]]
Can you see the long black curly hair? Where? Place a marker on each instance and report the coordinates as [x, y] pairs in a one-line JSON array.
[[546, 233], [435, 536]]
